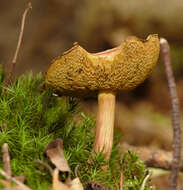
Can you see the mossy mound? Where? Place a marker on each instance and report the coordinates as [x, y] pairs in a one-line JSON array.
[[30, 117]]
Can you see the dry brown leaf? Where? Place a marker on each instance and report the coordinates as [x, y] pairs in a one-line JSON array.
[[20, 178], [56, 184], [5, 183], [54, 151], [75, 184], [8, 185], [7, 173], [19, 185], [6, 159]]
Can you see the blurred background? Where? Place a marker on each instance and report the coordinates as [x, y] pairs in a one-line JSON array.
[[142, 115]]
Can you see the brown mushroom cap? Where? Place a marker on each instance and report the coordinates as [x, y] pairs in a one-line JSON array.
[[78, 72]]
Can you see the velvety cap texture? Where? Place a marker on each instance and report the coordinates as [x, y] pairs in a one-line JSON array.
[[78, 72]]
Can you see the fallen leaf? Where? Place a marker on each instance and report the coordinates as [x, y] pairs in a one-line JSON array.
[[19, 185], [75, 184], [56, 184], [54, 151]]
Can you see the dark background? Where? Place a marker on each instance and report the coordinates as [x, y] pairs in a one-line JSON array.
[[52, 26]]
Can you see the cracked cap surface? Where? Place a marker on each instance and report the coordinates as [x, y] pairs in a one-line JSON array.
[[78, 72]]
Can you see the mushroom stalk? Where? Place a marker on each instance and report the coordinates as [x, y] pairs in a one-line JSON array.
[[105, 123]]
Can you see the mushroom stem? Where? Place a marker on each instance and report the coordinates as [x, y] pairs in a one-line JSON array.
[[105, 123]]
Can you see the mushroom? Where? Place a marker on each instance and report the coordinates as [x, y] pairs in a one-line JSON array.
[[80, 73]]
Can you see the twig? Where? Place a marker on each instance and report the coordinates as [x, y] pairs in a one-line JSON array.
[[6, 159], [13, 63], [121, 180], [45, 165], [121, 174], [24, 187], [155, 158], [165, 51], [76, 171], [145, 181], [5, 183]]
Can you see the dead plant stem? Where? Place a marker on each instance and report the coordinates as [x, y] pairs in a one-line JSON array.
[[24, 187], [6, 159], [165, 51], [45, 165], [145, 181], [13, 63]]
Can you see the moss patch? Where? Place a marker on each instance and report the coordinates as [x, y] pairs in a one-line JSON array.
[[31, 117]]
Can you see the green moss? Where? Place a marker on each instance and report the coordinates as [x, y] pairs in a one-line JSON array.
[[134, 171], [30, 117]]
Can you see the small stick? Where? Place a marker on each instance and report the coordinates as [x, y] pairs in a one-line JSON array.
[[121, 180], [5, 183], [165, 51], [13, 63], [6, 159], [121, 174], [145, 181], [45, 165], [76, 171], [24, 187], [155, 158]]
